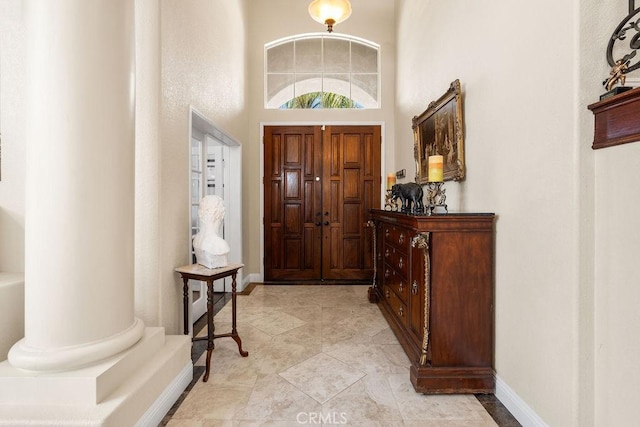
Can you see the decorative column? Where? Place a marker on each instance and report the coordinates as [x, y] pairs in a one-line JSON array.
[[79, 244]]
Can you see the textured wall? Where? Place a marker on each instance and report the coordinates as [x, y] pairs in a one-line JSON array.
[[517, 66], [202, 46], [565, 277], [616, 292], [12, 126]]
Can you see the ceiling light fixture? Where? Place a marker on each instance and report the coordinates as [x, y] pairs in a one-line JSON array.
[[330, 12]]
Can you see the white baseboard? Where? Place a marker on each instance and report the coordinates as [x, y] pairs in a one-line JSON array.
[[169, 396], [518, 407], [250, 278]]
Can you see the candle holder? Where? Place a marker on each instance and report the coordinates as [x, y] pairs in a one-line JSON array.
[[390, 203], [436, 197]]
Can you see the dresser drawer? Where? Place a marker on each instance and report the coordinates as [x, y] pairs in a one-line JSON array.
[[398, 260], [397, 237], [396, 282], [398, 308]]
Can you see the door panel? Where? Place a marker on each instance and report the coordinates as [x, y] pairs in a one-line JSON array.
[[318, 187], [292, 201], [352, 154]]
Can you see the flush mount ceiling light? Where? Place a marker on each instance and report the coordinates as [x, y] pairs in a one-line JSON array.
[[330, 12]]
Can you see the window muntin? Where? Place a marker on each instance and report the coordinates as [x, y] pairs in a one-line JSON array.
[[325, 64]]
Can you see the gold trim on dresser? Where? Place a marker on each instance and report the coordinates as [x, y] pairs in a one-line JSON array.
[[372, 291], [422, 241]]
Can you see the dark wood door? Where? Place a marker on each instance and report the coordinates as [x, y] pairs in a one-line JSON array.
[[350, 187], [318, 188], [292, 203]]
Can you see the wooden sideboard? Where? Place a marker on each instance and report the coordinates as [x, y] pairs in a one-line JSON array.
[[433, 281]]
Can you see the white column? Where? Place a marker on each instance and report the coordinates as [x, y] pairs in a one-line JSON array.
[[79, 244]]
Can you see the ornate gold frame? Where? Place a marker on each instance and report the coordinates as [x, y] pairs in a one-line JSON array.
[[439, 130]]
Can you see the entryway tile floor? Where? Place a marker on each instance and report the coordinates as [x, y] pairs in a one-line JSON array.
[[318, 355]]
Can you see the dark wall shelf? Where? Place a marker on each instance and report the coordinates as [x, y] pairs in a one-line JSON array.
[[617, 119]]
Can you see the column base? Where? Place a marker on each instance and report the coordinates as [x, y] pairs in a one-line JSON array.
[[23, 356], [140, 383]]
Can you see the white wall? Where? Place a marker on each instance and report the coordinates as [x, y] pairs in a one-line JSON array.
[[515, 63], [274, 19], [614, 295], [618, 285], [563, 252], [12, 180], [12, 127], [202, 51]]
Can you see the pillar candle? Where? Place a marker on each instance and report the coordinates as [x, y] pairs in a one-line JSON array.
[[391, 180], [435, 169]]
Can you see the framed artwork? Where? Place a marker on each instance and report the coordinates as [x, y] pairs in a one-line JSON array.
[[439, 131]]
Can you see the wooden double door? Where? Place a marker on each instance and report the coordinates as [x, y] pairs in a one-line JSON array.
[[319, 184]]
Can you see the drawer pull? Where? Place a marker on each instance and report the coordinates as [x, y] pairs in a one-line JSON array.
[[401, 312], [401, 238], [400, 263], [414, 287], [386, 294], [387, 273], [401, 286], [387, 253]]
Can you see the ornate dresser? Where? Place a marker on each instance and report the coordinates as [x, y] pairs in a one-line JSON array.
[[433, 282]]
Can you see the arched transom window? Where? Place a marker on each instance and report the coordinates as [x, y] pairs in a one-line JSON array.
[[322, 70]]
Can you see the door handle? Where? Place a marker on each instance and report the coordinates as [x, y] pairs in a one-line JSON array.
[[326, 223]]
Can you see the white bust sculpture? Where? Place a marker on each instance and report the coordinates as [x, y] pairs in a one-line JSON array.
[[211, 249]]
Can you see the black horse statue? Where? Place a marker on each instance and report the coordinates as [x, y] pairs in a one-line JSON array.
[[411, 196]]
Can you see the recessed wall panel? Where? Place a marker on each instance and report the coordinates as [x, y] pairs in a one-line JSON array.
[[292, 219], [351, 221], [276, 155], [351, 183], [293, 150], [292, 254], [351, 256], [352, 149], [276, 191], [292, 184]]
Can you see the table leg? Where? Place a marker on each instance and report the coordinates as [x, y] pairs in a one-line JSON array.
[[185, 304], [234, 332], [210, 329]]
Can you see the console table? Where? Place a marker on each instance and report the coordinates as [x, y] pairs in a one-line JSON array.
[[434, 284], [209, 275]]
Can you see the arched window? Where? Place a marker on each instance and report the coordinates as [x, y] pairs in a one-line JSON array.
[[322, 70]]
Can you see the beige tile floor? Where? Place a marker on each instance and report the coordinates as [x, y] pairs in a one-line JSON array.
[[318, 355]]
